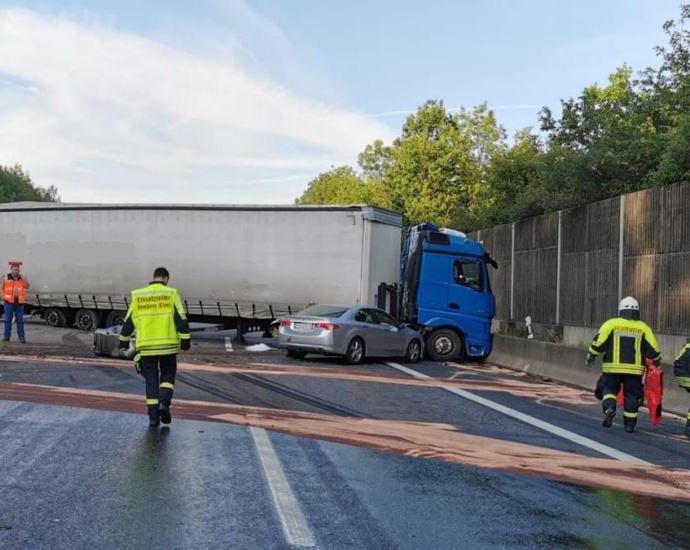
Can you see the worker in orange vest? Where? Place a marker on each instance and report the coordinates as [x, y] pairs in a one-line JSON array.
[[14, 288]]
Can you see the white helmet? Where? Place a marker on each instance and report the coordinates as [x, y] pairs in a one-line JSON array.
[[629, 303]]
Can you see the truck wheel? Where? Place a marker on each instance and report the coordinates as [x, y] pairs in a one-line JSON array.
[[87, 319], [115, 318], [414, 351], [444, 344], [356, 351], [55, 317], [296, 354]]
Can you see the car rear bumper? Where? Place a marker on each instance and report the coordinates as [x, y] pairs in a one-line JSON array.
[[311, 348], [314, 344]]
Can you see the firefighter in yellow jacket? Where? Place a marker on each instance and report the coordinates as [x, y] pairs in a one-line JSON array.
[[162, 330], [681, 371], [625, 342]]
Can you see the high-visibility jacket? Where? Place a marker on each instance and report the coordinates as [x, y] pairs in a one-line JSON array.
[[159, 318], [12, 286], [625, 344], [681, 367]]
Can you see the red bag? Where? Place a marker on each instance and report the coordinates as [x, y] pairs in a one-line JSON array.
[[653, 382], [620, 398], [654, 390]]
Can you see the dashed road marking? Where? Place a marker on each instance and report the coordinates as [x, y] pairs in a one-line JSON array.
[[297, 532]]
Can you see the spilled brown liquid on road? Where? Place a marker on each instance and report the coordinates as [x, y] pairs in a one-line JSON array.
[[427, 440]]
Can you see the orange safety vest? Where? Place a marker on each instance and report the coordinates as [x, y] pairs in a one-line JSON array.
[[8, 290]]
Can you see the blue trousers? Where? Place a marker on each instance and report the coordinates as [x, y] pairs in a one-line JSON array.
[[13, 311]]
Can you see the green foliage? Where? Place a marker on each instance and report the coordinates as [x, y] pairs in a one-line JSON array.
[[342, 185], [16, 185], [459, 170]]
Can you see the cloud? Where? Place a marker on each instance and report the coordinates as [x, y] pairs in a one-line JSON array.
[[99, 112]]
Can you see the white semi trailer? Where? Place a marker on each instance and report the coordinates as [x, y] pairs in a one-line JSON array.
[[237, 266]]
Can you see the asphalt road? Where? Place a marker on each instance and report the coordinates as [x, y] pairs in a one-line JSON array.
[[269, 452]]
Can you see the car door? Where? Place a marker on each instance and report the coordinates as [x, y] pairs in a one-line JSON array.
[[469, 298], [393, 344], [370, 330]]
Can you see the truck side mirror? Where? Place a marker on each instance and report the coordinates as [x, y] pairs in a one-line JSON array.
[[489, 260]]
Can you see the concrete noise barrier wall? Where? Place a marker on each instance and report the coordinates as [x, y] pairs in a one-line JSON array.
[[567, 364]]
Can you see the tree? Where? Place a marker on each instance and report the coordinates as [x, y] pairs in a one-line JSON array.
[[16, 185], [431, 172], [514, 189], [375, 161], [488, 142], [342, 185]]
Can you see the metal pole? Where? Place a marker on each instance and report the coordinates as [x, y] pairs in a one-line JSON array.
[[558, 268], [512, 273], [621, 243]]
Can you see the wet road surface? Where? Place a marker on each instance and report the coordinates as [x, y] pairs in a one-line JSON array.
[[286, 453]]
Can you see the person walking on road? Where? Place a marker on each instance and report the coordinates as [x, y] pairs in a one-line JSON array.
[[14, 289], [626, 342], [681, 372], [158, 316]]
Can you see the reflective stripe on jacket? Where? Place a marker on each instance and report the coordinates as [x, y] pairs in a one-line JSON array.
[[681, 367], [625, 344], [9, 286], [159, 318]]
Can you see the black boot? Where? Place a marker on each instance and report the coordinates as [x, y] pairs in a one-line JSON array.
[[686, 432], [154, 416], [629, 425], [164, 411], [608, 417]]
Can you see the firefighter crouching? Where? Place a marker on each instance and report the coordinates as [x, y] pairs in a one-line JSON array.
[[681, 371], [625, 342], [158, 316]]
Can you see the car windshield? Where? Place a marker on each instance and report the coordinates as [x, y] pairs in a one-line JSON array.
[[324, 311]]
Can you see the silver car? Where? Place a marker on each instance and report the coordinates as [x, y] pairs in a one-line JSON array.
[[353, 332]]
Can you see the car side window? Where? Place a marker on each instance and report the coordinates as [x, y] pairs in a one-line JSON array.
[[365, 316], [468, 273], [385, 319]]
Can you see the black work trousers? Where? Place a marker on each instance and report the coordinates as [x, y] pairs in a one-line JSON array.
[[159, 372], [632, 394]]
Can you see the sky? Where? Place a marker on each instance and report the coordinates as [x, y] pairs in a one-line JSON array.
[[246, 101]]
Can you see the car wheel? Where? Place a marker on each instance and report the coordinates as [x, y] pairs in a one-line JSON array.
[[414, 351], [356, 351], [444, 345], [296, 354]]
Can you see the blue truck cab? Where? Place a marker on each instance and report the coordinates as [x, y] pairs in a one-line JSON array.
[[445, 291]]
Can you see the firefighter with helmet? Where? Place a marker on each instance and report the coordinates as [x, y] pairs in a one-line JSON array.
[[625, 342]]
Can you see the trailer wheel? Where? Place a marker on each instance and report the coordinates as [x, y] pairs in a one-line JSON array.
[[115, 318], [87, 319], [356, 351], [55, 317], [444, 344]]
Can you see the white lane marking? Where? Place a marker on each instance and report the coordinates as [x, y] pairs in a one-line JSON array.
[[228, 344], [297, 532], [546, 426]]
